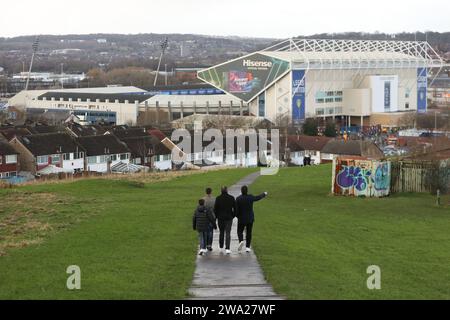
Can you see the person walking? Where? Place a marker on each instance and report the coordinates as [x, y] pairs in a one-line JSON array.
[[246, 216], [225, 210], [209, 203], [200, 222]]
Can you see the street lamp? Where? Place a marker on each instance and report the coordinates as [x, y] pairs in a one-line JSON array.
[[164, 46], [35, 47]]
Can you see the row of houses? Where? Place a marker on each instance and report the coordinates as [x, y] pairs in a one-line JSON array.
[[321, 149], [42, 150], [76, 149]]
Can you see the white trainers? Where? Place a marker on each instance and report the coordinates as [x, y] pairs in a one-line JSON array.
[[241, 244], [248, 249], [228, 251]]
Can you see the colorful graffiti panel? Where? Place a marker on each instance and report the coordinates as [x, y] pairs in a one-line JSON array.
[[361, 177]]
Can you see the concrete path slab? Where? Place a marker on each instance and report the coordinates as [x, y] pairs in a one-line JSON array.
[[236, 276]]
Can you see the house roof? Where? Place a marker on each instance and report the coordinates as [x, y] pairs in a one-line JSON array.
[[151, 144], [436, 142], [349, 147], [101, 145], [10, 133], [43, 129], [300, 143], [142, 146], [87, 130], [161, 149], [50, 143], [443, 154], [157, 133], [6, 149], [53, 115], [122, 132]]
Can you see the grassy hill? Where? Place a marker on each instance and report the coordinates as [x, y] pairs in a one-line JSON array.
[[313, 245], [132, 240]]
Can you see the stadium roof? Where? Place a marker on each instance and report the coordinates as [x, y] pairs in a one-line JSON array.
[[329, 53], [188, 86], [363, 56], [112, 89], [121, 97], [189, 100]]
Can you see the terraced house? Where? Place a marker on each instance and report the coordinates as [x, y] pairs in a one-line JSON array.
[[8, 161], [145, 146], [103, 152], [52, 152]]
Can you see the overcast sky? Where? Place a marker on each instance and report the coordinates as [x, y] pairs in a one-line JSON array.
[[253, 18]]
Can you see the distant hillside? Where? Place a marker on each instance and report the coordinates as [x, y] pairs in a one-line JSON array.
[[79, 53]]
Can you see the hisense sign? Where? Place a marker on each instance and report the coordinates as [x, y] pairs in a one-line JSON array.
[[251, 63], [246, 77]]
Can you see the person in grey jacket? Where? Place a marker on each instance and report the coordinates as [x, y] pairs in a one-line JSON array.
[[209, 203], [200, 222]]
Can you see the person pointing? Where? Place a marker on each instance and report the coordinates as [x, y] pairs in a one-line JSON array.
[[246, 216]]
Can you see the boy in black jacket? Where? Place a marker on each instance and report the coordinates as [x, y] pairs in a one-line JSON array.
[[200, 222]]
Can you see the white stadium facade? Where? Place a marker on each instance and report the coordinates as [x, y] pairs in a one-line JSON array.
[[355, 82]]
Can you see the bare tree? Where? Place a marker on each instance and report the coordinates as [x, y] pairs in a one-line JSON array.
[[431, 121], [408, 120], [223, 122], [153, 117], [438, 177], [3, 117]]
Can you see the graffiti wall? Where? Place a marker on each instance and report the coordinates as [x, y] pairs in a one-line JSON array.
[[358, 177]]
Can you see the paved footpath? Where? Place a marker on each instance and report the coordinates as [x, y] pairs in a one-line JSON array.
[[237, 276]]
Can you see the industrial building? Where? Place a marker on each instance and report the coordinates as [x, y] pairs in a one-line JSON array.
[[112, 105], [355, 82], [122, 105]]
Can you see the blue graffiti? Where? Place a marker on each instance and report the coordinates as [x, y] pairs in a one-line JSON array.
[[382, 177], [351, 176]]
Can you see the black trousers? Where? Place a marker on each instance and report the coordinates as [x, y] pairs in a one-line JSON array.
[[210, 237], [225, 233], [248, 233]]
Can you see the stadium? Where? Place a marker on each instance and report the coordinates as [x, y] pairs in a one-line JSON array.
[[355, 82]]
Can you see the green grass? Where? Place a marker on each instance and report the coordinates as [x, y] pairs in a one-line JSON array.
[[313, 245], [132, 240]]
